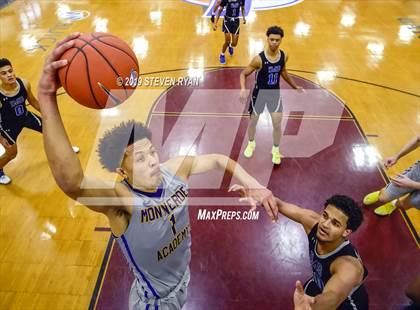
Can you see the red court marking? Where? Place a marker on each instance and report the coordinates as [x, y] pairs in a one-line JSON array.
[[254, 265]]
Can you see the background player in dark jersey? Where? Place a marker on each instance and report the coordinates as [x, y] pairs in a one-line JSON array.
[[270, 64], [338, 271], [14, 116], [230, 24], [127, 150]]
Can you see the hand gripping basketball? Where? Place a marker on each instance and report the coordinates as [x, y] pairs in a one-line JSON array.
[[49, 81], [96, 63]]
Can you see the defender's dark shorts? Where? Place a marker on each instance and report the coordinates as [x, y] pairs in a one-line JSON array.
[[231, 25], [11, 131], [262, 98], [357, 300]]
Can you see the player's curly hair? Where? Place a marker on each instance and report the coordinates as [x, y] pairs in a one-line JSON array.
[[5, 62], [349, 207], [275, 30], [113, 144]]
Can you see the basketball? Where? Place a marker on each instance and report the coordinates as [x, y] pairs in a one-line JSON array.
[[100, 71]]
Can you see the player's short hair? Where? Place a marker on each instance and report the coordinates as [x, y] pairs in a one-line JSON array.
[[349, 207], [114, 143], [5, 62], [275, 30]]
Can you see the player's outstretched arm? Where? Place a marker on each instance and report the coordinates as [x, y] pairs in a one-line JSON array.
[[189, 165], [63, 162], [307, 218], [409, 147], [347, 273]]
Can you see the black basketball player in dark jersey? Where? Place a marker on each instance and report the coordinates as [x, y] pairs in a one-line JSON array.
[[270, 64], [230, 24], [14, 116], [338, 271]]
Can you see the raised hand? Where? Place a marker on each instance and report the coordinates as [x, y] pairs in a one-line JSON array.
[[49, 81], [256, 196], [300, 299]]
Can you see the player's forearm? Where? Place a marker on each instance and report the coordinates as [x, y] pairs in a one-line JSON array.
[[289, 80], [281, 206], [242, 79], [215, 8], [326, 301], [288, 210], [218, 15], [64, 164], [227, 164], [409, 147], [35, 104]]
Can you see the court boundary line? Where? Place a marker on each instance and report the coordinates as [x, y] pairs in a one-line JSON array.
[[385, 177], [102, 271], [107, 255]]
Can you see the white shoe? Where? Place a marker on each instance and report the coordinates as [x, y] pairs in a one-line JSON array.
[[76, 149], [4, 179]]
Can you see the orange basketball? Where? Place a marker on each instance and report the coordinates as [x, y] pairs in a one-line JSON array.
[[102, 70]]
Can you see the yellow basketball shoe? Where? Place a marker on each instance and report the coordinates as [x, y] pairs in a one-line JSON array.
[[276, 159], [371, 198], [250, 149], [386, 209]]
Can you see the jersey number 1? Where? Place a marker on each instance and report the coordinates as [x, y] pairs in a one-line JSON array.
[[173, 221]]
